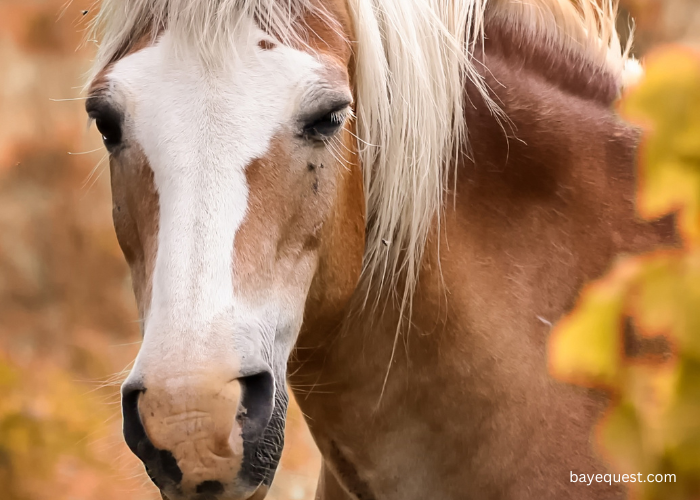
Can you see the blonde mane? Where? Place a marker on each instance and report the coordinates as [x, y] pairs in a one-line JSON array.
[[412, 60]]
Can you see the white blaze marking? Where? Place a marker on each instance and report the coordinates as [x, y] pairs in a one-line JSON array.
[[199, 129]]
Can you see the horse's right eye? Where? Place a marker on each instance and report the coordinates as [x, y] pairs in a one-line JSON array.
[[111, 131], [108, 121]]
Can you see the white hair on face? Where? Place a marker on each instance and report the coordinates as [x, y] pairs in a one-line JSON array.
[[412, 59], [208, 26]]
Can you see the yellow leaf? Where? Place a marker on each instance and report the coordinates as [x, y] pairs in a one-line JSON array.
[[586, 347], [620, 433], [666, 296], [684, 415], [667, 103], [653, 425]]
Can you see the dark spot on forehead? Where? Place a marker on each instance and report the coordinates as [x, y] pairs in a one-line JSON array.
[[266, 45]]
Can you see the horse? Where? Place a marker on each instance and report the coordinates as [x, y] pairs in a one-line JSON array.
[[383, 205]]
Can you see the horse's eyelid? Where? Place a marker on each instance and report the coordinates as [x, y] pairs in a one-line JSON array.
[[337, 115]]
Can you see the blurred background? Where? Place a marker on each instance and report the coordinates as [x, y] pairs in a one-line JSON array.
[[68, 322]]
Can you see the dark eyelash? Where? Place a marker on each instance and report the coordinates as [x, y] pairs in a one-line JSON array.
[[326, 125]]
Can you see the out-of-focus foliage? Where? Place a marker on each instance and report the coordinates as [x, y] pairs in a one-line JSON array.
[[654, 423], [39, 432]]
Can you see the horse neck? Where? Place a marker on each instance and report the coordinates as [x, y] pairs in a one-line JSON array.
[[543, 202]]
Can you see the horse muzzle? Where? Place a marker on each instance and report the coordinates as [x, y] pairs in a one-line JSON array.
[[207, 435]]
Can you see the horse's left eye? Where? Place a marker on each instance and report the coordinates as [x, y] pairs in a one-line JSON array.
[[325, 126]]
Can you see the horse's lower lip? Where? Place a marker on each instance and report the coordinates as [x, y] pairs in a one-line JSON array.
[[238, 489], [243, 487], [258, 494]]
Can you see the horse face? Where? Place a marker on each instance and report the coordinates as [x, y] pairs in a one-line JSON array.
[[233, 185]]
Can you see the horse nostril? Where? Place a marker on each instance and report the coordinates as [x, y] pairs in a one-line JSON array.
[[258, 404], [160, 464], [133, 429]]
